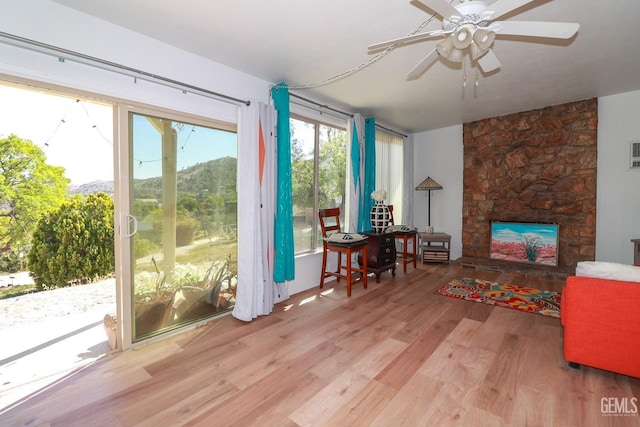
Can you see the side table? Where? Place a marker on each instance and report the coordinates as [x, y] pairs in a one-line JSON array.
[[408, 256], [381, 253], [636, 251], [435, 247]]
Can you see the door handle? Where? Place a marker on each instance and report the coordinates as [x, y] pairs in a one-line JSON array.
[[131, 220]]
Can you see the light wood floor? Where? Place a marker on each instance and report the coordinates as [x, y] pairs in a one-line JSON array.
[[396, 354]]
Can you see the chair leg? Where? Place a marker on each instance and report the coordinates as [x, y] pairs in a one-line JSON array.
[[415, 251], [364, 266], [404, 254], [348, 254], [339, 271]]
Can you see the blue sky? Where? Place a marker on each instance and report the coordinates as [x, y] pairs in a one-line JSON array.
[[77, 135], [196, 144]]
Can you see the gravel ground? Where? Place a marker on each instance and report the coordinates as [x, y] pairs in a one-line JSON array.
[[39, 307]]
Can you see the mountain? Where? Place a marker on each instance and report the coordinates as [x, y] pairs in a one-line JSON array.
[[213, 177], [92, 188]]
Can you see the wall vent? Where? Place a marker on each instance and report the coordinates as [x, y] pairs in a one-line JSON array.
[[634, 160]]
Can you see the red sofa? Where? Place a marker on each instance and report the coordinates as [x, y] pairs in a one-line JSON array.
[[601, 319]]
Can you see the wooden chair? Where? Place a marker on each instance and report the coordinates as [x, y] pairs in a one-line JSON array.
[[405, 236], [330, 223]]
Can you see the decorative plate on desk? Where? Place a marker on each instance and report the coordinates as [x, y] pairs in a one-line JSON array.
[[400, 228], [344, 238]]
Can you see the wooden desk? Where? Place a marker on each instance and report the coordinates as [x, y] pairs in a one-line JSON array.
[[435, 247]]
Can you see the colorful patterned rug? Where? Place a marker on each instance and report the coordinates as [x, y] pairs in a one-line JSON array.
[[520, 298]]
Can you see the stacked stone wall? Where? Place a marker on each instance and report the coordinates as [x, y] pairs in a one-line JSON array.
[[534, 166]]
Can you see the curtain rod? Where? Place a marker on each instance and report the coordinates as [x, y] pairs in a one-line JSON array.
[[391, 130], [81, 58], [326, 107], [317, 104]]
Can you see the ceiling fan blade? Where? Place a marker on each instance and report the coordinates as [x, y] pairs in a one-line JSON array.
[[489, 61], [406, 39], [423, 65], [441, 7], [502, 7], [556, 30]]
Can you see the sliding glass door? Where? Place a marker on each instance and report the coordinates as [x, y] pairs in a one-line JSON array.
[[182, 226]]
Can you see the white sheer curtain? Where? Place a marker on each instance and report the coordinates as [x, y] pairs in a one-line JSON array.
[[355, 175], [408, 186], [256, 292], [390, 170]]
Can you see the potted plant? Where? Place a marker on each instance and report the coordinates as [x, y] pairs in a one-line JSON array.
[[153, 301], [190, 295], [221, 280]]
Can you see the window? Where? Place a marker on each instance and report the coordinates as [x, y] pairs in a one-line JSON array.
[[389, 169], [318, 170], [183, 196]]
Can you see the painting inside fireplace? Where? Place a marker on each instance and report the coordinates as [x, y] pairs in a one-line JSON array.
[[531, 243]]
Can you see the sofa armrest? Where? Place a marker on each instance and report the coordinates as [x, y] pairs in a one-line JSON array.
[[601, 320]]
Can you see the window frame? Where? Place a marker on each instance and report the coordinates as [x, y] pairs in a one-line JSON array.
[[315, 245], [387, 145]]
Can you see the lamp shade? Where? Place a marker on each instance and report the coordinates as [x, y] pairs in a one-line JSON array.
[[428, 184]]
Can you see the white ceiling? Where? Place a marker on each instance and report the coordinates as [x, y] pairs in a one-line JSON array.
[[303, 42]]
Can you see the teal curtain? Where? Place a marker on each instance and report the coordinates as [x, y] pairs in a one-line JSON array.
[[369, 171], [284, 262]]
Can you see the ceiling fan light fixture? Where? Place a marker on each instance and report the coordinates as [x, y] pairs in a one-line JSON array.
[[445, 47], [462, 37], [471, 27], [456, 55], [475, 51], [484, 38]]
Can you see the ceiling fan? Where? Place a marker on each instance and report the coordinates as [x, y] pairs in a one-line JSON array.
[[471, 27]]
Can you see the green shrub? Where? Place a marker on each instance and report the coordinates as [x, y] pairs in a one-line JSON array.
[[185, 230], [9, 262], [74, 244]]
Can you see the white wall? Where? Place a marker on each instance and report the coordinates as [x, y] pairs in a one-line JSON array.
[[48, 22], [439, 154], [618, 203]]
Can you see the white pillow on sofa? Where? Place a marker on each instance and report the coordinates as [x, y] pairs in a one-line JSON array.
[[608, 270]]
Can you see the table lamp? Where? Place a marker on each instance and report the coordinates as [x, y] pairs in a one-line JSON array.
[[429, 184]]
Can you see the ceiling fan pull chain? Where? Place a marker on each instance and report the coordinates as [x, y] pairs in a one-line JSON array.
[[464, 74]]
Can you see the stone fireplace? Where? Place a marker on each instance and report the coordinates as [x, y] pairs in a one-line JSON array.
[[534, 166]]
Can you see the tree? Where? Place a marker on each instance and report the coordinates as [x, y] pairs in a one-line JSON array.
[[332, 163], [29, 187], [74, 244], [333, 168], [302, 173]]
